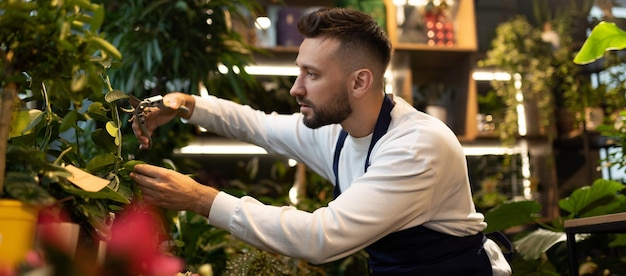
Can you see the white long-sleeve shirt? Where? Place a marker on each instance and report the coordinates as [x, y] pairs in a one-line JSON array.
[[417, 176]]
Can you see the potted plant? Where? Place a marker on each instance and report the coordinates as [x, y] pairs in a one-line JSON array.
[[59, 119]]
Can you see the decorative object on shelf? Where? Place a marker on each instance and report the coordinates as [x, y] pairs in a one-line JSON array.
[[286, 26], [429, 23]]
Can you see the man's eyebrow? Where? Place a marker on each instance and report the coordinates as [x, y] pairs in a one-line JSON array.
[[307, 67]]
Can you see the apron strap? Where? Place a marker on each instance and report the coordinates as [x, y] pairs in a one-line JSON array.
[[381, 127]]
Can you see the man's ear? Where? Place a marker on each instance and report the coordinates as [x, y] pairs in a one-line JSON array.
[[363, 80]]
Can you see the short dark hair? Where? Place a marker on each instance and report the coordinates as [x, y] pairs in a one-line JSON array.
[[356, 31]]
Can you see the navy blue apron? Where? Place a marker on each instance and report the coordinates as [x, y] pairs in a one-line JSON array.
[[417, 250]]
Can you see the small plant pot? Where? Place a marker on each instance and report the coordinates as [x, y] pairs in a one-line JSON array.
[[17, 231]]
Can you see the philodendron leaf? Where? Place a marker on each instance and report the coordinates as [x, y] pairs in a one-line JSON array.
[[583, 197], [511, 214], [604, 37], [539, 241]]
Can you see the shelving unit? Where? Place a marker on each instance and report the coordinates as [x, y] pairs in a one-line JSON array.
[[418, 64]]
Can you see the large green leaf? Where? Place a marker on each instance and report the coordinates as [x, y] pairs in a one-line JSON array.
[[537, 242], [604, 37], [582, 198], [511, 214], [105, 193], [99, 162]]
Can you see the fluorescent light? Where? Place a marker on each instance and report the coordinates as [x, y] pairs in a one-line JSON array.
[[490, 150], [259, 70], [491, 75], [219, 150], [220, 146], [272, 70]]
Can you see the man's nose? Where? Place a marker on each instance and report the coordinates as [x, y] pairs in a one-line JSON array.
[[296, 89]]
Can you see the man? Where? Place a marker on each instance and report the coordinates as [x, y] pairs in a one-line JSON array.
[[400, 175]]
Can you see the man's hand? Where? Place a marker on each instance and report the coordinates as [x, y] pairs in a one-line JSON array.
[[154, 117], [173, 190]]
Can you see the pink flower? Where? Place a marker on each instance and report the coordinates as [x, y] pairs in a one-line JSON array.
[[136, 235]]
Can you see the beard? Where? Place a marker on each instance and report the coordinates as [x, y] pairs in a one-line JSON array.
[[335, 112]]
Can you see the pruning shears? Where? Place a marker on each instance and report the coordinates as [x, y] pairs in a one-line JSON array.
[[140, 111]]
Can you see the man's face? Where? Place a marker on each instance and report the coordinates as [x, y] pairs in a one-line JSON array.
[[321, 88]]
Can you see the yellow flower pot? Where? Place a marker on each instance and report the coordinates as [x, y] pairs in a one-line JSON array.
[[17, 231]]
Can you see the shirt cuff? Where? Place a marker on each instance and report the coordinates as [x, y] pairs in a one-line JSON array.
[[223, 210]]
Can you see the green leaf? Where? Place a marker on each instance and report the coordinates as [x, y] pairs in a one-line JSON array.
[[584, 197], [130, 165], [114, 95], [620, 240], [79, 81], [99, 162], [97, 111], [105, 193], [604, 37], [69, 120], [98, 18], [112, 129], [24, 187], [539, 241], [511, 214], [24, 121], [106, 46], [101, 138]]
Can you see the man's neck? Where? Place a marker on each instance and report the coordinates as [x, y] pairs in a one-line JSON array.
[[363, 118]]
